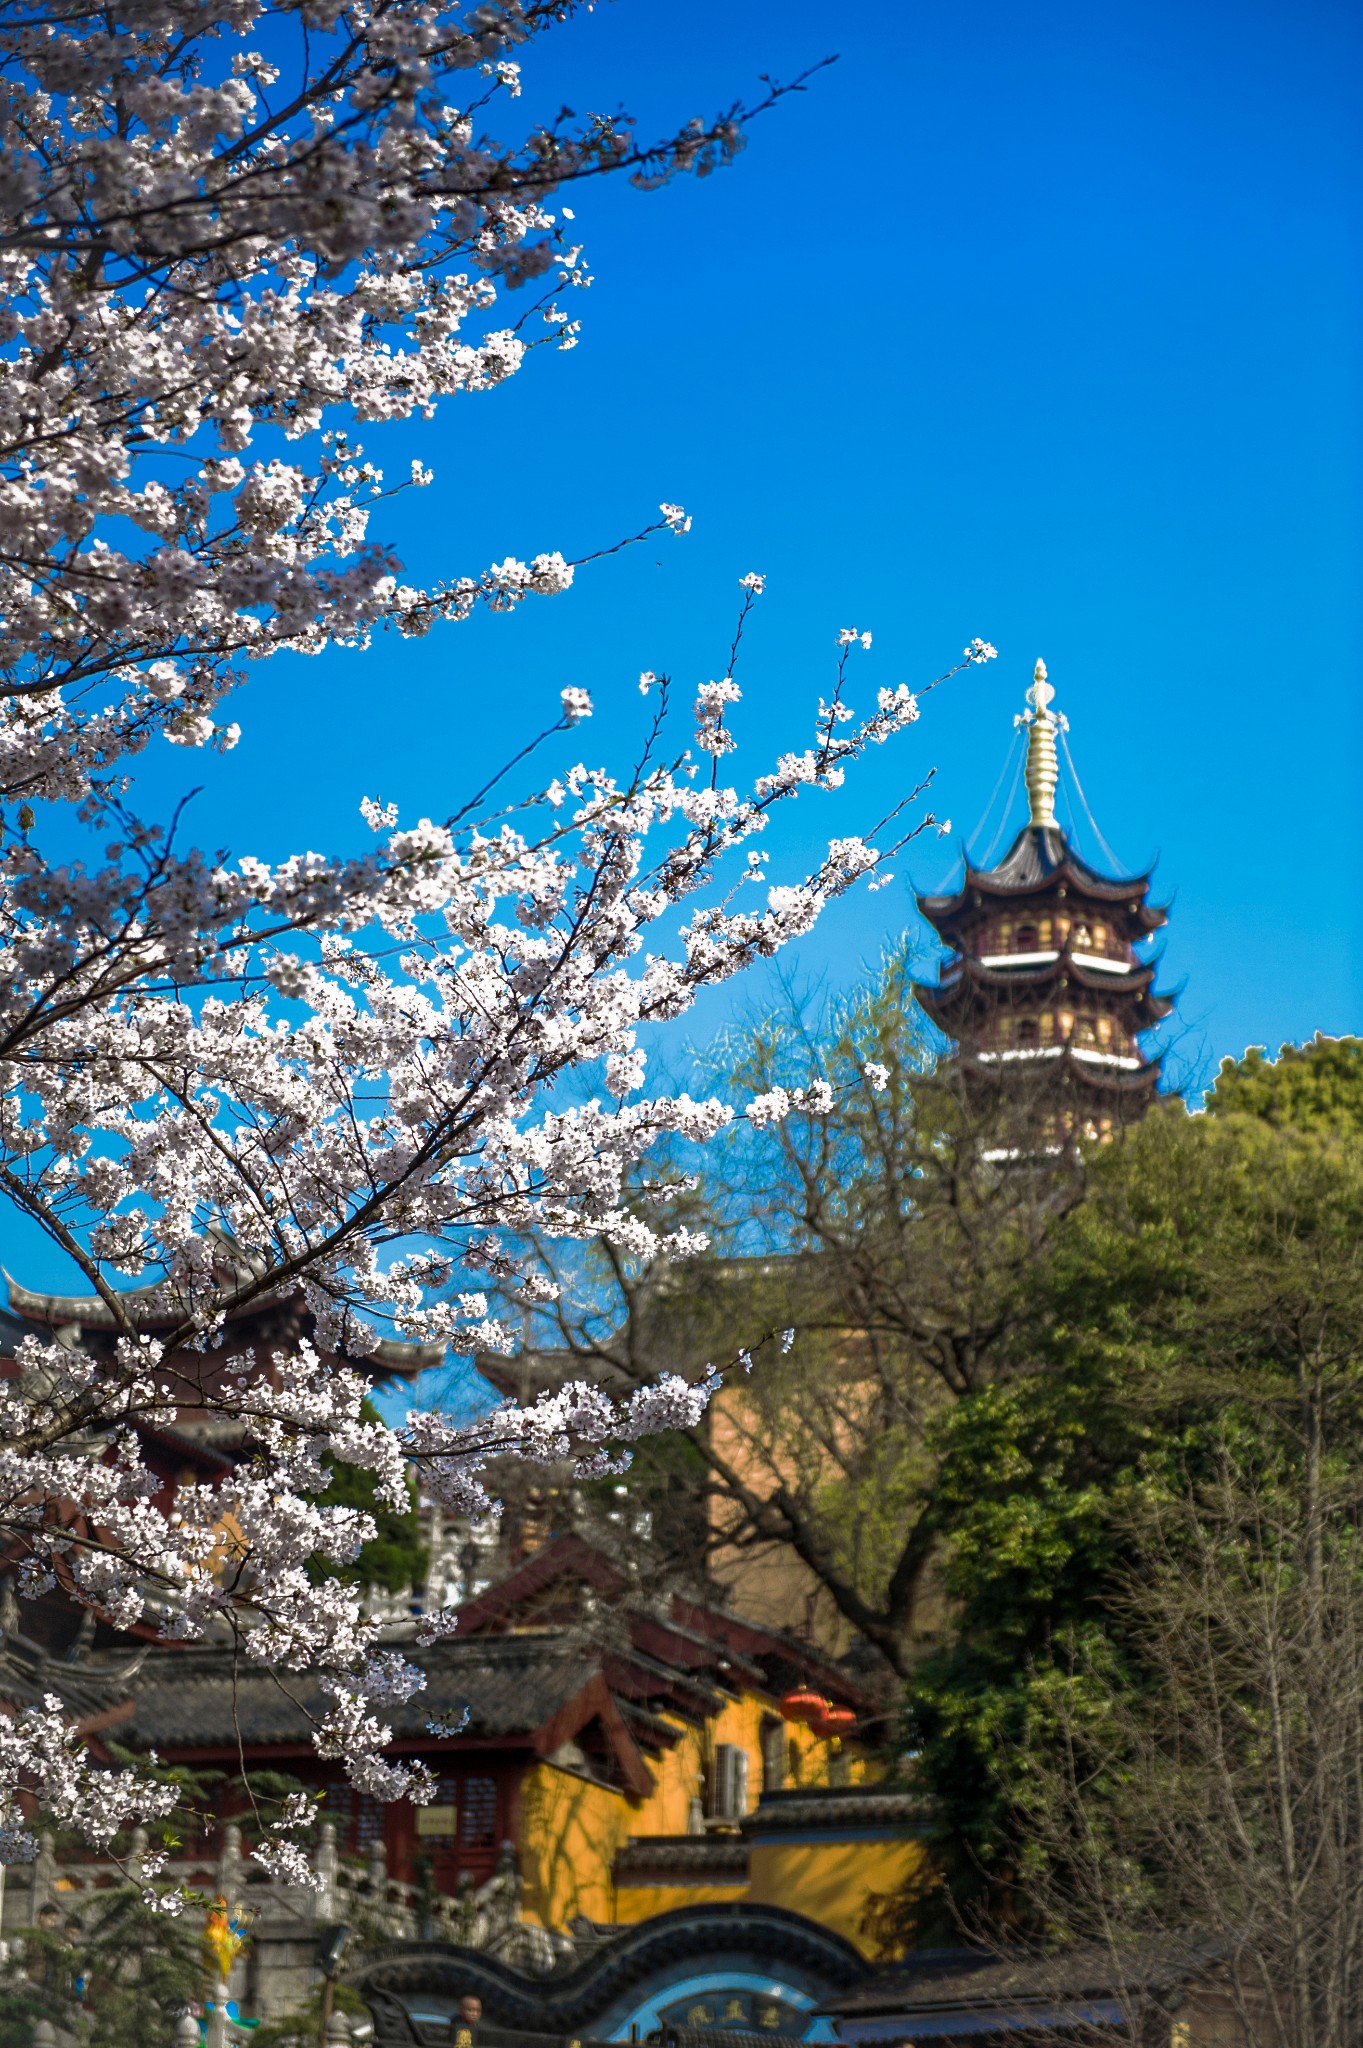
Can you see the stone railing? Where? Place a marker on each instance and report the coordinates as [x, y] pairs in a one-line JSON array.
[[187, 2034], [278, 1969]]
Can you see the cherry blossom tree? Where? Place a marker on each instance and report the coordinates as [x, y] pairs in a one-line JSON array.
[[233, 238]]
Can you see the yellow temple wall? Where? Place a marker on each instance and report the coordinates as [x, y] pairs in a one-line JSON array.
[[831, 1882], [572, 1827], [635, 1902]]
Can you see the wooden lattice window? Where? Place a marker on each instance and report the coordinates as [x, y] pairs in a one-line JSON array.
[[478, 1813], [368, 1818]]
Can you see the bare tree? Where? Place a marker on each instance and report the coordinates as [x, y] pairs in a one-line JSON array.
[[1192, 1782], [874, 1256]]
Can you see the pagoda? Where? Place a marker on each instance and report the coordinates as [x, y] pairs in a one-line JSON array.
[[1043, 980]]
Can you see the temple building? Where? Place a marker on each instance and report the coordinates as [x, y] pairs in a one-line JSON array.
[[650, 1813], [1043, 979]]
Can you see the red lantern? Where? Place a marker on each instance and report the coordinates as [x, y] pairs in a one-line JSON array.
[[835, 1721], [803, 1705]]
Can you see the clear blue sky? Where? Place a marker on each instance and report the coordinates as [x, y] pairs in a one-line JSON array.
[[1038, 323]]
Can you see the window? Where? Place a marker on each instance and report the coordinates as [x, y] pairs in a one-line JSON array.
[[1043, 933], [773, 1755], [367, 1815], [1028, 1033], [478, 1813], [728, 1783], [1027, 939]]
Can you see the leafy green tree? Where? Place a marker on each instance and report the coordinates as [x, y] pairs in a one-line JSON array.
[[1308, 1087], [1209, 1290], [36, 1983], [144, 1967], [397, 1557], [303, 2028]]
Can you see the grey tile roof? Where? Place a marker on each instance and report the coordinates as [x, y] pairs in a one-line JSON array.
[[682, 1859], [816, 1809], [972, 1977], [511, 1685]]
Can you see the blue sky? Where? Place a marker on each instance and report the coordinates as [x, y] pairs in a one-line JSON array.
[[1041, 324]]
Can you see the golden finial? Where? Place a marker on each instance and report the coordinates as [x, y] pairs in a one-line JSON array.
[[1043, 769]]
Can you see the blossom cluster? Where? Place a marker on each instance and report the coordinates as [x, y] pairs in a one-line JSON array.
[[212, 258]]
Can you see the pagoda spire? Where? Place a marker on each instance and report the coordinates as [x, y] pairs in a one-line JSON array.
[[1043, 768]]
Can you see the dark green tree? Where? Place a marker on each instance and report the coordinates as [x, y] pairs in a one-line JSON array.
[[1318, 1086], [1208, 1291], [144, 1967], [38, 1982], [397, 1557]]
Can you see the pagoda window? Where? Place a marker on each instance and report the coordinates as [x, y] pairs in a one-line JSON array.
[[1028, 1031], [1027, 939], [1047, 1027], [1084, 1033], [1083, 938], [1005, 934], [1043, 934], [1105, 1031], [1100, 937], [1066, 1024]]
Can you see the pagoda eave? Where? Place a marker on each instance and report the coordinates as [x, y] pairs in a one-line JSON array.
[[1036, 976], [949, 914], [163, 1307], [956, 1005], [1074, 1066]]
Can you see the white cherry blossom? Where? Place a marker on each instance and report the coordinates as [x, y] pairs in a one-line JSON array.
[[236, 244]]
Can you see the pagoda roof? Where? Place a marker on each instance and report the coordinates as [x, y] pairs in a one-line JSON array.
[[31, 1311], [1040, 859]]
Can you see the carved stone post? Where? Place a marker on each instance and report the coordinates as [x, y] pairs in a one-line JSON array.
[[44, 1877], [217, 2020], [324, 1901], [229, 1863]]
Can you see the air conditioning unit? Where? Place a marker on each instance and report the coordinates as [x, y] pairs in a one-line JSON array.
[[728, 1787]]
